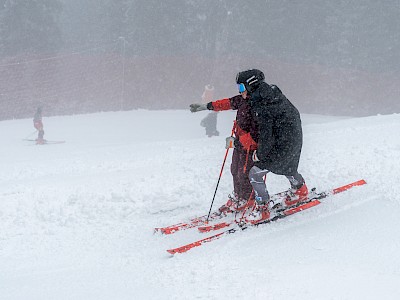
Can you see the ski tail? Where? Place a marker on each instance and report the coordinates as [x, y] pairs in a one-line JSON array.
[[197, 221], [187, 247], [215, 226]]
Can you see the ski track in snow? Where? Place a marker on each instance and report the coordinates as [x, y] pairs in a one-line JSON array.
[[76, 219]]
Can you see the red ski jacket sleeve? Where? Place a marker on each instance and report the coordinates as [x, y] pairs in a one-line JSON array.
[[223, 104]]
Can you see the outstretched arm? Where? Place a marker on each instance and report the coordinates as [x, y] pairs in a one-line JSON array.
[[218, 105]]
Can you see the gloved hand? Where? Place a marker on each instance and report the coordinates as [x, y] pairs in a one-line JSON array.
[[247, 141], [230, 142], [255, 157], [195, 107]]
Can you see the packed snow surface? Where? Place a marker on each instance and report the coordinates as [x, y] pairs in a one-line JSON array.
[[77, 219]]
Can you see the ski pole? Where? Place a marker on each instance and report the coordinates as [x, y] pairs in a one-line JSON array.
[[31, 134], [220, 174]]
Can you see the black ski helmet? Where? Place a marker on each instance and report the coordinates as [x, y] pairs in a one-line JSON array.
[[250, 78]]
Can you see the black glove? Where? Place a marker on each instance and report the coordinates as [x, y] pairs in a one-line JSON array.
[[195, 107], [230, 142]]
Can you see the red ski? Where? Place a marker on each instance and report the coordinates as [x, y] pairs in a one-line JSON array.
[[45, 142], [292, 211], [197, 221], [202, 220], [317, 196], [280, 215]]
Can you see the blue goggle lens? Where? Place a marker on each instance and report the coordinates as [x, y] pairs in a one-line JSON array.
[[241, 87]]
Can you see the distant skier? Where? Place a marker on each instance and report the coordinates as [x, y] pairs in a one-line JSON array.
[[210, 124], [38, 124], [244, 143], [210, 121], [280, 141]]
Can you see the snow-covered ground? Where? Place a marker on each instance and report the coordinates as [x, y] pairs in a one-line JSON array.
[[77, 219]]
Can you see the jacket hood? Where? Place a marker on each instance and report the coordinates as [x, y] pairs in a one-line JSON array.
[[265, 94]]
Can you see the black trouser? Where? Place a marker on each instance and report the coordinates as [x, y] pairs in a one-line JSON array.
[[240, 167]]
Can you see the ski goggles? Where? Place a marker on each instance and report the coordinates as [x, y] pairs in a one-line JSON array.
[[241, 87]]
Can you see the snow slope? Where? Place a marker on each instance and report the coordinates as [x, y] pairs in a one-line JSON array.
[[76, 219]]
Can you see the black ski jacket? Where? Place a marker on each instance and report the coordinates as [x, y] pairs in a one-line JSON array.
[[281, 138]]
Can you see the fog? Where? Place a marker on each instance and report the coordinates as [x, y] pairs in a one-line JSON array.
[[73, 56]]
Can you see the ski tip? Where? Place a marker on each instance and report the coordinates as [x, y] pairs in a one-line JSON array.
[[359, 182], [348, 186]]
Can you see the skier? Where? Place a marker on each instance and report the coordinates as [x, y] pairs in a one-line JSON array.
[[210, 121], [38, 124], [244, 142], [279, 144]]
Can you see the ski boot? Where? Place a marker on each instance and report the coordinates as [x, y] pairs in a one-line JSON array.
[[234, 204], [40, 141], [261, 213], [296, 195]]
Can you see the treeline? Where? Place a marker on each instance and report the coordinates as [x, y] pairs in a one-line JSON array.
[[82, 56]]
